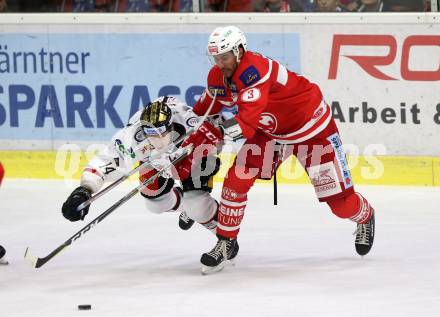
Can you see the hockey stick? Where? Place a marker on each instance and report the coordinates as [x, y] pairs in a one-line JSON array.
[[39, 262], [144, 164], [275, 188]]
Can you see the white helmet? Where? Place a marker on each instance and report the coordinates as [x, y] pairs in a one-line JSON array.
[[225, 39]]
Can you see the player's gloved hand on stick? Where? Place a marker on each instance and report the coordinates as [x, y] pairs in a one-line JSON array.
[[207, 134], [76, 198]]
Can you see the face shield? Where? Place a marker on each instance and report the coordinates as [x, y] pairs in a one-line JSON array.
[[223, 58], [157, 137]]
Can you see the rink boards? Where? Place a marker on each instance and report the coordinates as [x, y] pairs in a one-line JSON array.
[[76, 79], [377, 170]]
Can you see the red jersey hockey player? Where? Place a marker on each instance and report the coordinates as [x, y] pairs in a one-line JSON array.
[[276, 108], [2, 250], [2, 173]]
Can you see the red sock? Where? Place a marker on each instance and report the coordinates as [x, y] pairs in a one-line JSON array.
[[355, 207]]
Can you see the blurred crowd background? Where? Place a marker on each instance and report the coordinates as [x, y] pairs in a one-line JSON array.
[[215, 5]]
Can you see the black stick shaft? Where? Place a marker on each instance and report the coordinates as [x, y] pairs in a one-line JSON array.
[[275, 189], [41, 261]]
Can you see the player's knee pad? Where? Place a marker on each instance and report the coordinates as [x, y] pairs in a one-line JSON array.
[[170, 201], [199, 205], [354, 206]]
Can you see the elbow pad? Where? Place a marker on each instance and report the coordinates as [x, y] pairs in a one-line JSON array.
[[231, 129], [92, 179]]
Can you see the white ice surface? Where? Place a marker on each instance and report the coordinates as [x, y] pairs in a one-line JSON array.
[[296, 259]]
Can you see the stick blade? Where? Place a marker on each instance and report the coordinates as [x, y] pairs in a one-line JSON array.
[[32, 260]]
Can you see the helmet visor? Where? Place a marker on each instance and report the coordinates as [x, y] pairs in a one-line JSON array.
[[222, 59], [151, 130]]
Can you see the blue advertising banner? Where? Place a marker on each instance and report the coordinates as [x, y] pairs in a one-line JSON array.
[[86, 86]]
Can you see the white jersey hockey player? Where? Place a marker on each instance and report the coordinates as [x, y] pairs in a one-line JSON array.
[[150, 130]]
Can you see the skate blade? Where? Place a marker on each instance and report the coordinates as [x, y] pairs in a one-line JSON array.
[[207, 270]]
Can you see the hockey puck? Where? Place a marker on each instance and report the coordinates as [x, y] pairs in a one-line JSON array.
[[84, 307], [2, 252]]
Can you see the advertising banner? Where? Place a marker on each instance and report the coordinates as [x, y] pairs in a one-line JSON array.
[[382, 81], [80, 83], [85, 86]]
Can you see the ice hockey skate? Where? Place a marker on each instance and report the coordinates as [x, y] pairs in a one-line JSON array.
[[365, 236], [185, 222], [220, 256]]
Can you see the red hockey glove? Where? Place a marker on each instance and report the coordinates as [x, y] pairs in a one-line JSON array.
[[208, 136]]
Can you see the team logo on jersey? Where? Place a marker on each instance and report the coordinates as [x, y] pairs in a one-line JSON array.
[[325, 179], [250, 76], [221, 90], [268, 122], [251, 95], [192, 122], [124, 150]]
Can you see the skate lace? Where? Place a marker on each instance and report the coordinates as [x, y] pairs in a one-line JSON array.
[[220, 249], [362, 233]]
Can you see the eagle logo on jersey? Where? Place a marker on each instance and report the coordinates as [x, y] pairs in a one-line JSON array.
[[323, 178], [268, 123]]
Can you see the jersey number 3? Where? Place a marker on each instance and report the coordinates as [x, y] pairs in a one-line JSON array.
[[251, 95]]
